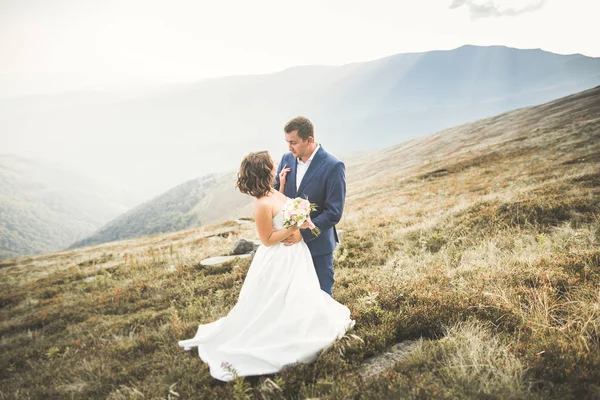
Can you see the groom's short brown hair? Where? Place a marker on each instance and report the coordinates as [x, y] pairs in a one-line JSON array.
[[303, 125]]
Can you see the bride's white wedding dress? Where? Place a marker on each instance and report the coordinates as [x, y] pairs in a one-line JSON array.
[[282, 316]]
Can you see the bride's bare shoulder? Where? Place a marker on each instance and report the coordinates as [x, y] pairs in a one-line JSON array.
[[280, 197], [263, 203]]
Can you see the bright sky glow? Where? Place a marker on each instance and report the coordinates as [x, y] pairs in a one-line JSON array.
[[151, 41]]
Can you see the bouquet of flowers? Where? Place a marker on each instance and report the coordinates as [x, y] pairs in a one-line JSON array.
[[297, 211]]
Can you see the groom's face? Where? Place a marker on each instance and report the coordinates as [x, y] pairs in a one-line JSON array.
[[297, 146]]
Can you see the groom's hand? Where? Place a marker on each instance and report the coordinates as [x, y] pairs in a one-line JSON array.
[[293, 238]]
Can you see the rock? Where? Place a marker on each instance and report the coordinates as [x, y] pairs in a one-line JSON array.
[[220, 260], [405, 347], [244, 247], [435, 174], [257, 243], [224, 234], [376, 365]]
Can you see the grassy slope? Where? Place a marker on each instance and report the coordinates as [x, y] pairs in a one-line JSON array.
[[493, 260]]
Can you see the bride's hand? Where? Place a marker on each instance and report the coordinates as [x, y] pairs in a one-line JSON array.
[[283, 174]]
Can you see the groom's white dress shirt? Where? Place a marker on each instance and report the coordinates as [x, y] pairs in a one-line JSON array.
[[303, 167]]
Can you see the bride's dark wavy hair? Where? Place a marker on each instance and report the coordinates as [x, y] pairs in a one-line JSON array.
[[254, 177]]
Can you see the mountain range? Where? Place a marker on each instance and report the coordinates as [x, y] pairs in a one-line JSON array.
[[158, 138], [150, 141], [213, 198]]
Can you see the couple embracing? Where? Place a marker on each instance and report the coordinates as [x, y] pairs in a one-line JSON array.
[[285, 313]]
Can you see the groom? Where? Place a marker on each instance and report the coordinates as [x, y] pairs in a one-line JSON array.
[[319, 176]]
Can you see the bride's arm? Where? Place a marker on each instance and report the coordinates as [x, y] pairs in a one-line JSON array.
[[264, 224], [283, 177]]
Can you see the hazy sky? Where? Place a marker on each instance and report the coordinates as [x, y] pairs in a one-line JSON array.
[[141, 41], [51, 46]]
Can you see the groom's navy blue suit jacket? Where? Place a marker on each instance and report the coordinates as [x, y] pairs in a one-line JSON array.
[[324, 184]]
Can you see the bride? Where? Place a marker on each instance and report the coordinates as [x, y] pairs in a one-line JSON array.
[[282, 316]]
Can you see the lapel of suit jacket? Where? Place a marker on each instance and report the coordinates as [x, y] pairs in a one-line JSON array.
[[314, 166], [291, 177]]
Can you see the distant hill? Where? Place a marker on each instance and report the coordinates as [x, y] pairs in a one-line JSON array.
[[197, 202], [208, 126], [212, 199], [522, 130], [45, 207], [406, 96]]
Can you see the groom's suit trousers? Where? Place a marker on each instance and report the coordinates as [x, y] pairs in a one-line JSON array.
[[324, 267]]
